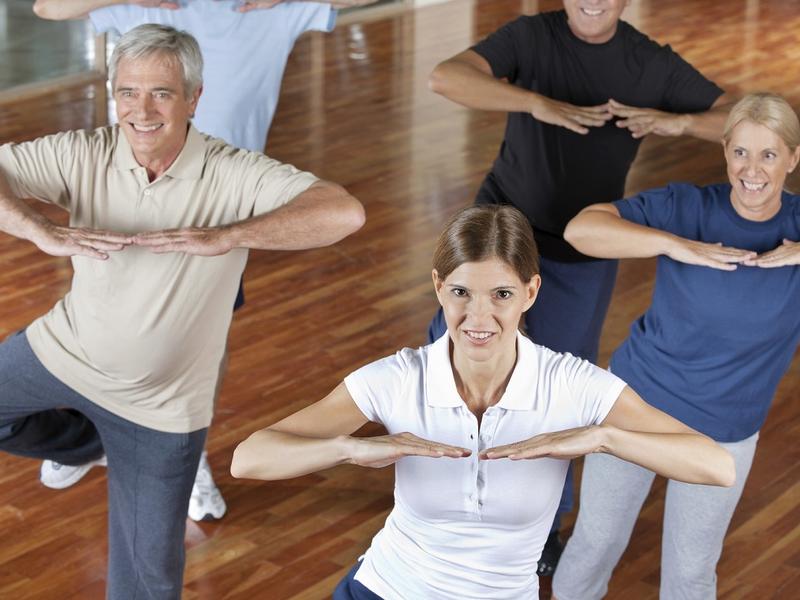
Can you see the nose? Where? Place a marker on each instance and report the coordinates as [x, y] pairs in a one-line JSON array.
[[143, 105], [479, 308]]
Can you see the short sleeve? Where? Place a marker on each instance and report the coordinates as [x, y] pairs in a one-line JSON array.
[[120, 18], [686, 89], [594, 390], [377, 386], [313, 16], [652, 208], [41, 168], [263, 184], [501, 49]]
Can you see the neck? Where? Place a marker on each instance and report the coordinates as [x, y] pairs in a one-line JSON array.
[[481, 384], [157, 164], [763, 212]]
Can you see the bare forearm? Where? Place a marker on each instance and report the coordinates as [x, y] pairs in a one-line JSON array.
[[467, 85], [689, 457], [320, 216], [17, 218], [271, 455], [707, 125], [58, 10], [602, 234]]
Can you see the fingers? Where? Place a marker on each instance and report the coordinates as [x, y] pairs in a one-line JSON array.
[[412, 445], [516, 451], [788, 254]]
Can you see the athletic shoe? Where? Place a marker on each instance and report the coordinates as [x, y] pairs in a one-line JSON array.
[[57, 476], [548, 561], [206, 502]]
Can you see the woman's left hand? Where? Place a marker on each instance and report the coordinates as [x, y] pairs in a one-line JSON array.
[[784, 255], [567, 444]]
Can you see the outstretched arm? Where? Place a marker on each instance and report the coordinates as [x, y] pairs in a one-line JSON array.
[[19, 219], [641, 434], [467, 79], [707, 125], [318, 437], [322, 215], [59, 10], [246, 6], [599, 230]]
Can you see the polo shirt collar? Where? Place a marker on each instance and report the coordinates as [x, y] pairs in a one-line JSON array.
[[520, 393], [188, 165]]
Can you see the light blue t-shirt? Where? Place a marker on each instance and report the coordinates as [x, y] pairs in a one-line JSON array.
[[244, 57], [714, 344]]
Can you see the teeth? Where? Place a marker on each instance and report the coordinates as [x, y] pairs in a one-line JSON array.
[[592, 13], [753, 187], [478, 335], [145, 128]]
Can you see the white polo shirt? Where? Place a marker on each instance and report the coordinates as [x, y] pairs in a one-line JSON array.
[[464, 528]]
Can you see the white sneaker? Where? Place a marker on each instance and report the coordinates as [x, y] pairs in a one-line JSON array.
[[206, 502], [57, 476]]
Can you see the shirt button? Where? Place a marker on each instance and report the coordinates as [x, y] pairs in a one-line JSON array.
[[148, 192]]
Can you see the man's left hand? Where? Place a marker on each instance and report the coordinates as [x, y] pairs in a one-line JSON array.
[[200, 241], [785, 255], [642, 121]]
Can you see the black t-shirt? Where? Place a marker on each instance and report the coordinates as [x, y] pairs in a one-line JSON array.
[[549, 172]]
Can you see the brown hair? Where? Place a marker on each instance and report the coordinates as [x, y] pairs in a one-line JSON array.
[[769, 110], [487, 231]]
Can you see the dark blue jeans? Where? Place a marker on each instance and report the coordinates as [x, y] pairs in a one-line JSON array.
[[567, 317], [350, 589], [150, 473]]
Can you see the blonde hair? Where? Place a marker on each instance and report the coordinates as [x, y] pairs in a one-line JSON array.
[[769, 110]]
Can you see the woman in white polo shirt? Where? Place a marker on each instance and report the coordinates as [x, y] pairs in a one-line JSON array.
[[464, 415]]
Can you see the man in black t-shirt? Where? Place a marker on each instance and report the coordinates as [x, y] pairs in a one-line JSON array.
[[581, 88]]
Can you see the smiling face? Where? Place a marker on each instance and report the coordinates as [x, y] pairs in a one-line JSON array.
[[482, 303], [758, 162], [153, 108], [594, 21]]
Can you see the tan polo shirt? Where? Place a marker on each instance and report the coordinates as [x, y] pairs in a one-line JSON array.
[[143, 334]]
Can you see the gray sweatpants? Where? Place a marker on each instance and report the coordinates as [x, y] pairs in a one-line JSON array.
[[696, 518], [150, 473]]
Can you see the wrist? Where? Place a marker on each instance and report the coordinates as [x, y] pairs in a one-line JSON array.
[[345, 449], [606, 437]]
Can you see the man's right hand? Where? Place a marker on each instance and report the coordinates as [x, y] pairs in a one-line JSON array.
[[78, 241], [574, 118]]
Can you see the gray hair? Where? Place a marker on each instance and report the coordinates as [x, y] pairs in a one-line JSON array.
[[148, 39], [769, 110]]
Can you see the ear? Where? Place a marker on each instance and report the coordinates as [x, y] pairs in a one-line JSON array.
[[532, 291], [793, 161], [194, 99], [438, 284]]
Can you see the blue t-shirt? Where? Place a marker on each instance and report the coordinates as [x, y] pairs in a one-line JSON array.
[[714, 344]]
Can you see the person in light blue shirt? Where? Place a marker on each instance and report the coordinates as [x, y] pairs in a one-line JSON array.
[[710, 351]]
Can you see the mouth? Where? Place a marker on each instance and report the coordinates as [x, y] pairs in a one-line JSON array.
[[592, 12], [752, 187], [479, 338], [140, 128]]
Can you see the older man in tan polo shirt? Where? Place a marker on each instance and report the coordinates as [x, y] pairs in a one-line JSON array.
[[126, 364]]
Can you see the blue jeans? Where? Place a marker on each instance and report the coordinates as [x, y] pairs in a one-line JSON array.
[[150, 473], [567, 317], [350, 589]]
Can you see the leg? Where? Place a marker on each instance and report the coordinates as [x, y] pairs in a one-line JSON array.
[[150, 478], [30, 423], [568, 317], [696, 518], [613, 492]]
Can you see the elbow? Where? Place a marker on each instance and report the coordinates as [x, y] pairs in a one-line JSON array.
[[727, 473], [239, 463], [437, 80], [356, 216], [46, 10], [572, 233]]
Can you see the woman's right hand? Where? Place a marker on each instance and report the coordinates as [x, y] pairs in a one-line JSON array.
[[704, 254], [385, 450]]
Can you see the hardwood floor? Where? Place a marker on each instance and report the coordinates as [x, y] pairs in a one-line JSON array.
[[355, 109]]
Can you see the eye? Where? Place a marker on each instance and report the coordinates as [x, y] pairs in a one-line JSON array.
[[738, 152], [504, 294], [162, 95], [126, 94], [459, 292], [770, 155]]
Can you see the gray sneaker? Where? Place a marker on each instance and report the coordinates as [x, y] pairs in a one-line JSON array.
[[57, 476], [206, 502]]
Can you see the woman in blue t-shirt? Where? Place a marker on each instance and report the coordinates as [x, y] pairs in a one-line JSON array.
[[720, 333]]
